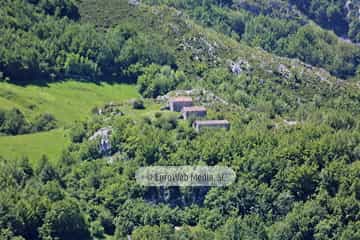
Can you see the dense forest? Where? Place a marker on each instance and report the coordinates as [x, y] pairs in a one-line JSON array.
[[271, 63], [38, 46]]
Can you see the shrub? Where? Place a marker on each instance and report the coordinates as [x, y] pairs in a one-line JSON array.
[[2, 117], [158, 80], [77, 133], [44, 122], [138, 104], [158, 114], [166, 122], [14, 122]]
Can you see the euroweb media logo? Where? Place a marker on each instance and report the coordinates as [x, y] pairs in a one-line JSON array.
[[185, 176]]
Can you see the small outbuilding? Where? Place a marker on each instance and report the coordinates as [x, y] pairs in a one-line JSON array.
[[198, 125], [176, 104], [193, 112]]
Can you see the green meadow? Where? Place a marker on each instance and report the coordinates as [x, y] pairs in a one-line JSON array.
[[34, 145], [68, 101]]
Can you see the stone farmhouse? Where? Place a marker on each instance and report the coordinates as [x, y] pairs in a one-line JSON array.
[[193, 112], [185, 106], [176, 104], [199, 125]]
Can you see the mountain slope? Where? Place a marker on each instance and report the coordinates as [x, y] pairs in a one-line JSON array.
[[278, 27], [293, 141], [200, 52]]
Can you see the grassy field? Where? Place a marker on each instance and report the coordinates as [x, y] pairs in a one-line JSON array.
[[67, 101], [34, 145]]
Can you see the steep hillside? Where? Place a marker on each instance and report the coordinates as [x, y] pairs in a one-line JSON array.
[[292, 139], [341, 16], [278, 27], [245, 76], [204, 54]]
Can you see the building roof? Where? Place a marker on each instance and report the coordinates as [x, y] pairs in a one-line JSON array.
[[211, 122], [194, 109], [181, 99]]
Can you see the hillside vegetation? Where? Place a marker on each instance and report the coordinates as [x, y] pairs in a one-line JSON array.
[[288, 87], [284, 28]]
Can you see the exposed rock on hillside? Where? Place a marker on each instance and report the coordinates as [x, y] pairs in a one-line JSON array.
[[201, 48], [134, 2], [284, 71], [238, 66], [104, 135]]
